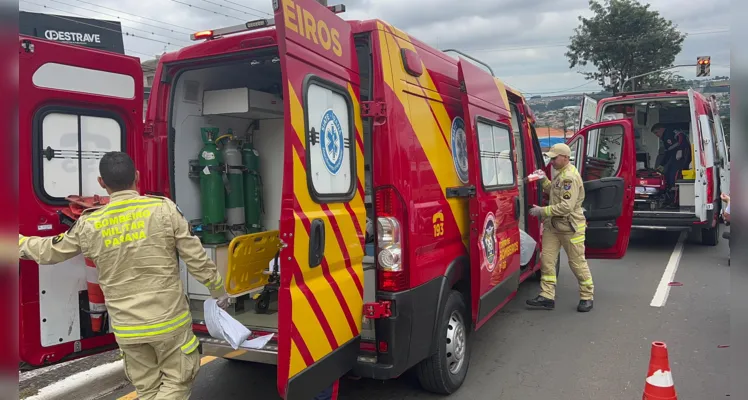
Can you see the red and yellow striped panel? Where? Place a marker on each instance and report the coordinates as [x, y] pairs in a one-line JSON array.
[[326, 301]]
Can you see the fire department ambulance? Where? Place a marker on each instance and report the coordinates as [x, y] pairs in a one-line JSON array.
[[697, 205], [361, 192]]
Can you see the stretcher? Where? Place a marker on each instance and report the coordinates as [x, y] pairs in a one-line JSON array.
[[249, 260]]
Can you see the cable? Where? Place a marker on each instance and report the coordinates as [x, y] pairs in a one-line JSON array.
[[232, 9], [108, 22], [101, 27], [205, 9], [242, 5], [118, 17], [189, 30], [529, 47]]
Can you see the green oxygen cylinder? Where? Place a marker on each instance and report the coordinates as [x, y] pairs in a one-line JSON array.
[[253, 204], [212, 194], [232, 156]]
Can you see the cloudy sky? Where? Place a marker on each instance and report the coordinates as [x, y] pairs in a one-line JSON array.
[[523, 40]]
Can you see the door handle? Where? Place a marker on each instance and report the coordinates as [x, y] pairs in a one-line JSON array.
[[517, 205], [316, 243]]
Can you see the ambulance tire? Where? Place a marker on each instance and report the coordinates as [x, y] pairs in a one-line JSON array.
[[439, 373], [536, 275], [710, 237]]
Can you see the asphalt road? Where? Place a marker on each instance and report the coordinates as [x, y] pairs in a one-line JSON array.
[[562, 354]]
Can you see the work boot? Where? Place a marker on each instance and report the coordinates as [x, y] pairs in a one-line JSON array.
[[584, 305], [726, 235], [541, 302]]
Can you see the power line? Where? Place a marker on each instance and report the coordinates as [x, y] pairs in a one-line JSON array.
[[529, 47], [189, 30], [101, 27], [107, 22], [232, 9], [205, 9], [242, 5], [118, 17]]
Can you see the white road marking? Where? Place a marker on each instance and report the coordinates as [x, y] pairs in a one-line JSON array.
[[663, 289]]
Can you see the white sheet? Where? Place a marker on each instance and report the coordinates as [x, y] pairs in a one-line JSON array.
[[221, 325]]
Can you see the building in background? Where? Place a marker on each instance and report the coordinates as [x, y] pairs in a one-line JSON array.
[[149, 71], [94, 33]]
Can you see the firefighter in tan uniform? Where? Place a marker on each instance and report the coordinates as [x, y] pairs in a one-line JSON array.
[[134, 241], [564, 226]]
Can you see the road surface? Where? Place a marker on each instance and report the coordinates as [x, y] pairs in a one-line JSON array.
[[562, 354]]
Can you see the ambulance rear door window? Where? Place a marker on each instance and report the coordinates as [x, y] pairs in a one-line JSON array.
[[330, 141], [68, 145]]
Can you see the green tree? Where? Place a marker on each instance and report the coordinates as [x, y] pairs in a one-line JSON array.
[[623, 39]]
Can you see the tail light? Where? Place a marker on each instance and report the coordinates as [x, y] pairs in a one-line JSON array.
[[391, 270], [710, 185]]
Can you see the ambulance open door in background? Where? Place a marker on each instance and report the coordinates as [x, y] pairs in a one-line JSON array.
[[322, 217], [494, 198], [76, 104], [605, 156]]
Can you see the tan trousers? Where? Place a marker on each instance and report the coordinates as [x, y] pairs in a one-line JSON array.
[[163, 370], [573, 245]]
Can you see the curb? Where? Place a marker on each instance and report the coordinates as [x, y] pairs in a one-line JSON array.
[[86, 385]]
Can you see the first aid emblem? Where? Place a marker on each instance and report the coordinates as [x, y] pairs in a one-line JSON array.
[[459, 149], [332, 142]]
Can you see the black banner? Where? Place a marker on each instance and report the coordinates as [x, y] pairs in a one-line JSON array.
[[94, 33]]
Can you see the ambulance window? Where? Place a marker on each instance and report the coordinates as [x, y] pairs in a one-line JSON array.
[[497, 163], [330, 141], [68, 148]]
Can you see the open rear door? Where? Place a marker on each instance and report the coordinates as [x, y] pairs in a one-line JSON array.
[[322, 217], [699, 158], [492, 189], [608, 184], [77, 104], [587, 112]]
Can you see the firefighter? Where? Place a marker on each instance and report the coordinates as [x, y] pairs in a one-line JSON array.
[[563, 226], [134, 241], [675, 154]]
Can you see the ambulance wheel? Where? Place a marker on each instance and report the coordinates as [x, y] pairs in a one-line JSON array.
[[445, 371], [537, 273], [710, 237]]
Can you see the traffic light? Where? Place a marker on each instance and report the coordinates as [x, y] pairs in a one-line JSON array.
[[702, 66]]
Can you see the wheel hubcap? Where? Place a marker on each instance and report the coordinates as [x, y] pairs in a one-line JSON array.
[[456, 343]]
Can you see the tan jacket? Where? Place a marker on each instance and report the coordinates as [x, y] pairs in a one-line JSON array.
[[566, 192], [134, 241]]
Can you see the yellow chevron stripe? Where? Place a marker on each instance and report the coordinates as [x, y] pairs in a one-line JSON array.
[[424, 124], [333, 254], [502, 92], [306, 321], [297, 363]]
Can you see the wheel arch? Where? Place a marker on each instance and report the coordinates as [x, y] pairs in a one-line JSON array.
[[456, 277]]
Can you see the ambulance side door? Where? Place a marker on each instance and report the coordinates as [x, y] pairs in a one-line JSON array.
[[323, 213], [494, 200], [77, 104], [609, 200]]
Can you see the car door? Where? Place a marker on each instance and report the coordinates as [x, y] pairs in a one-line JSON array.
[[609, 200], [77, 104], [587, 112], [724, 155], [323, 213], [494, 200]]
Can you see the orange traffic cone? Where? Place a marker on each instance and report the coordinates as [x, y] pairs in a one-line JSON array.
[[659, 383], [96, 304]]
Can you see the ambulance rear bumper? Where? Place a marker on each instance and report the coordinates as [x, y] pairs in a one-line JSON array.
[[668, 221], [407, 333]]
